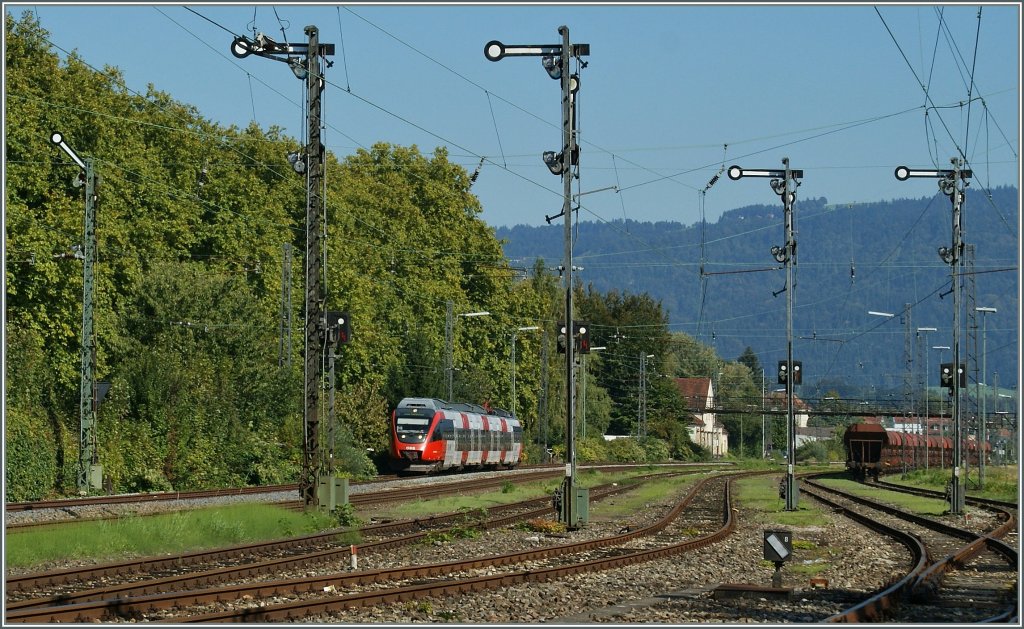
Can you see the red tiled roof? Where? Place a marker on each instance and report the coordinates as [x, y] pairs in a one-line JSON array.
[[694, 391], [775, 399]]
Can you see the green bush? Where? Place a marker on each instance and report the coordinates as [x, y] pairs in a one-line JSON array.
[[626, 451], [655, 450], [591, 450], [812, 451], [30, 459]]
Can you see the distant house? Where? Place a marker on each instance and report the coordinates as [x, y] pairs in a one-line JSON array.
[[814, 433], [776, 401], [699, 396]]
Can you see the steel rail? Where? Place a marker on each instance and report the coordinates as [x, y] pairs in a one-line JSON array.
[[137, 605]]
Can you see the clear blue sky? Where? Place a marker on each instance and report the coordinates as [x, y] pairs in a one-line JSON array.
[[839, 89]]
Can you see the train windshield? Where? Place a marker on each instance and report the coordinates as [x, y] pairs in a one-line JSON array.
[[411, 424]]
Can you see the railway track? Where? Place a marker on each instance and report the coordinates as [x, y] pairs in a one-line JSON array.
[[35, 582], [398, 580], [63, 511], [376, 495], [131, 600], [956, 575], [71, 503]]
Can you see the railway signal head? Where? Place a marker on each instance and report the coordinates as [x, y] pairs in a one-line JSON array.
[[582, 336], [797, 376], [339, 327], [946, 376]]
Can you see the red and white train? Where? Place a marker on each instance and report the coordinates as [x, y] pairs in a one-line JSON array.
[[430, 435]]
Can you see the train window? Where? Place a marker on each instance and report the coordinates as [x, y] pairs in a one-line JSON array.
[[444, 430], [411, 428]]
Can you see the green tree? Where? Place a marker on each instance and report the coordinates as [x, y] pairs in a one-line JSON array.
[[749, 359]]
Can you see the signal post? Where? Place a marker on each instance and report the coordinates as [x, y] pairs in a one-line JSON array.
[[785, 182], [952, 183], [555, 59]]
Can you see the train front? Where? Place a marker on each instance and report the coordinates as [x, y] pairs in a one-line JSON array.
[[410, 444]]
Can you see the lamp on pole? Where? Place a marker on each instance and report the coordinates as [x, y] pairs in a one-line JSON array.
[[515, 333], [449, 337], [903, 424], [942, 420], [927, 416], [983, 435]]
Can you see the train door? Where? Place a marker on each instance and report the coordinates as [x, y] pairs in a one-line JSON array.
[[446, 427]]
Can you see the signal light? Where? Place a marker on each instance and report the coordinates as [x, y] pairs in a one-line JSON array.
[[946, 376], [581, 337], [339, 327], [797, 372]]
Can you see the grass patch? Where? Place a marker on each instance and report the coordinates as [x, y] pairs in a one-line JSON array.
[[907, 502], [1001, 481], [509, 491], [634, 500], [761, 494], [142, 536]]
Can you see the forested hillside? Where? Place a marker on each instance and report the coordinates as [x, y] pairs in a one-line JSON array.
[[851, 259]]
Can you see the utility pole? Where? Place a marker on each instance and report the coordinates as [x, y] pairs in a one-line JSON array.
[[640, 398], [642, 414], [315, 333], [555, 60], [542, 404], [908, 386], [515, 334], [983, 416], [972, 360], [784, 183], [764, 428], [922, 355], [90, 472], [952, 183]]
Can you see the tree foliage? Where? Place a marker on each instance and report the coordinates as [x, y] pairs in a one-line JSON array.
[[199, 296]]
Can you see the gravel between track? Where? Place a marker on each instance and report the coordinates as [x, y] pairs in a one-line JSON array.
[[677, 590]]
